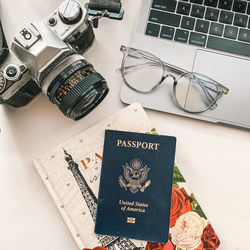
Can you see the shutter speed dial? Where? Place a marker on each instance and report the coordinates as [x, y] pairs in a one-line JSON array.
[[70, 12]]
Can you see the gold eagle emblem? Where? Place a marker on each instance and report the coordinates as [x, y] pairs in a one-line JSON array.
[[135, 174]]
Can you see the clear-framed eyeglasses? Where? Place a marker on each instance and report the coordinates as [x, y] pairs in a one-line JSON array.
[[192, 92]]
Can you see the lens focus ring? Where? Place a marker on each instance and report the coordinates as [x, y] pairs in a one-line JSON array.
[[60, 80], [78, 90]]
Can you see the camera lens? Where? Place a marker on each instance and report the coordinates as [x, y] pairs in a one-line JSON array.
[[77, 89]]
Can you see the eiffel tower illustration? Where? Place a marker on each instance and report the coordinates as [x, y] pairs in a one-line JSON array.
[[110, 242]]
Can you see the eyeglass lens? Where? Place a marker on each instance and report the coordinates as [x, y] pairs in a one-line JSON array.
[[142, 72], [195, 92]]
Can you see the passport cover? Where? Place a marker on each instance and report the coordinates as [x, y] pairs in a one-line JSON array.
[[136, 186]]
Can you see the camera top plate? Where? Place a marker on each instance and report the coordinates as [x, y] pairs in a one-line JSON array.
[[64, 24], [27, 36]]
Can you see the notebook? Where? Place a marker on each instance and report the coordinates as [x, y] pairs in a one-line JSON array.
[[71, 173]]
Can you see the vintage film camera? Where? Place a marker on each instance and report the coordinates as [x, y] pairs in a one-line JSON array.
[[47, 56]]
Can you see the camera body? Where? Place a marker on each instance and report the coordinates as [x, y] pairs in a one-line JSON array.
[[47, 56]]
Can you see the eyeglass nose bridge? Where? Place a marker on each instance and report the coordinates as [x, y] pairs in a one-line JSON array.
[[169, 76]]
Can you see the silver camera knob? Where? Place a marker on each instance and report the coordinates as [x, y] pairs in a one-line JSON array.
[[12, 72], [70, 12]]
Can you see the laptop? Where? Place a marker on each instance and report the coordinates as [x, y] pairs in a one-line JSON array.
[[211, 37]]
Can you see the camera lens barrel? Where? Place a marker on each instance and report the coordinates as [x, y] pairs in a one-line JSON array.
[[85, 93], [77, 89]]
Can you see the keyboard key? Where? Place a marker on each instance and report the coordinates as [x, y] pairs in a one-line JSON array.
[[188, 23], [197, 11], [212, 14], [225, 4], [181, 35], [226, 17], [183, 8], [212, 3], [196, 1], [244, 35], [216, 29], [197, 39], [231, 32], [167, 32], [228, 46], [248, 8], [239, 6], [164, 18], [164, 5], [240, 20], [202, 26], [153, 29]]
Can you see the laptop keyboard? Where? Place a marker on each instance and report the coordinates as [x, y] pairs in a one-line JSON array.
[[222, 25]]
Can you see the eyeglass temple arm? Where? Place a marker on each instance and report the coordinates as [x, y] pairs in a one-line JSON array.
[[205, 89], [175, 69], [132, 67], [142, 54], [223, 88], [153, 60]]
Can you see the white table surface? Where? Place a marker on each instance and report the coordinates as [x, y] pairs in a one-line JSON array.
[[214, 159]]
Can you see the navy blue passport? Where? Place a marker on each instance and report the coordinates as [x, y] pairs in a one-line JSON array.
[[136, 185]]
